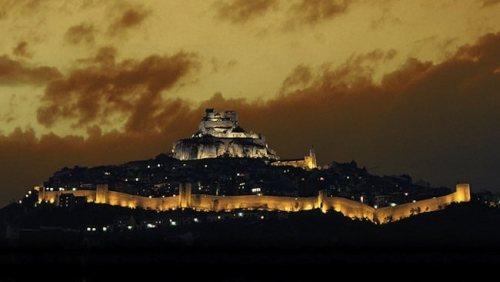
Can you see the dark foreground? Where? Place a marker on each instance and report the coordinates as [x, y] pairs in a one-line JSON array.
[[461, 242]]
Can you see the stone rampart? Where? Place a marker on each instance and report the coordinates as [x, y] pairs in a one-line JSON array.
[[186, 199]]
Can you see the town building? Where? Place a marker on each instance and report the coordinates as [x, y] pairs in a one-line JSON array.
[[308, 162]]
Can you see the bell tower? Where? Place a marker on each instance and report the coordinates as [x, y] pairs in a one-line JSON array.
[[310, 160]]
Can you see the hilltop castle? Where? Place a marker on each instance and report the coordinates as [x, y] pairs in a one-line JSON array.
[[219, 135]]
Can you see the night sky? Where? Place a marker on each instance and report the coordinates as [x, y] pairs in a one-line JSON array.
[[399, 86]]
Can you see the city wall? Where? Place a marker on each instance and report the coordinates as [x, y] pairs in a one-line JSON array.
[[202, 202], [388, 214]]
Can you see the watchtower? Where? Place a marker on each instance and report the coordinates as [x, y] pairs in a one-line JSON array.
[[185, 195], [101, 194], [462, 192]]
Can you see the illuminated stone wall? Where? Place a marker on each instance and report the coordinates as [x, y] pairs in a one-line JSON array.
[[185, 199], [53, 196], [114, 198], [350, 208], [387, 214], [253, 202], [134, 201]]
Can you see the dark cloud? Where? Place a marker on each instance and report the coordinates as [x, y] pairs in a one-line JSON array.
[[13, 72], [82, 33], [128, 18], [315, 11], [488, 3], [104, 88], [300, 77], [240, 11], [298, 12], [21, 50], [435, 121]]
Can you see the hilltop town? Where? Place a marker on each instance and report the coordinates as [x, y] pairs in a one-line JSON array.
[[225, 189], [222, 159], [222, 167]]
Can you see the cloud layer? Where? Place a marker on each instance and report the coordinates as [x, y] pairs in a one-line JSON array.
[[81, 33], [106, 88], [128, 18], [240, 11], [14, 72], [298, 12]]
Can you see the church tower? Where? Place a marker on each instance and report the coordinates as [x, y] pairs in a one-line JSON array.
[[310, 160]]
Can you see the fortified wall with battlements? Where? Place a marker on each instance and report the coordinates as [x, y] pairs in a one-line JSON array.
[[203, 202]]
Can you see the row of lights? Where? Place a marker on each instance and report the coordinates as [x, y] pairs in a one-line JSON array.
[[60, 189], [151, 225], [129, 227]]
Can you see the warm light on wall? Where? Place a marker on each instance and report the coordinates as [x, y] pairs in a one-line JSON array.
[[186, 199]]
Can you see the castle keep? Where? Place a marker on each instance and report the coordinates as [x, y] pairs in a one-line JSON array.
[[219, 134]]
